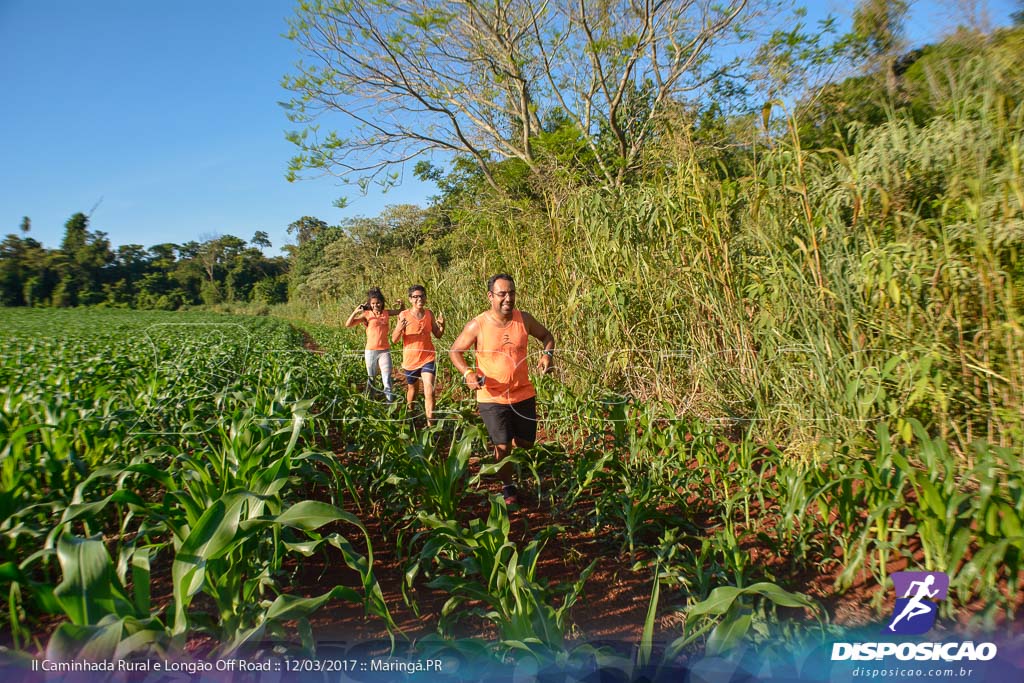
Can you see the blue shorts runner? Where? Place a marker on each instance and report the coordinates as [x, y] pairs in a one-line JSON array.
[[411, 376]]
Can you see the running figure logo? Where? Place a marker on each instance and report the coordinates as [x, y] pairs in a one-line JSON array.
[[915, 608]]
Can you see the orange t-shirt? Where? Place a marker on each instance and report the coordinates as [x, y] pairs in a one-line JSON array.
[[417, 346], [376, 331], [501, 359]]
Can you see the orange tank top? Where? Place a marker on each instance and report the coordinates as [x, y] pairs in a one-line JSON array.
[[376, 331], [417, 346], [501, 359]]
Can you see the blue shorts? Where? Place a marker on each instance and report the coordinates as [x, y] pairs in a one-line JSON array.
[[412, 376]]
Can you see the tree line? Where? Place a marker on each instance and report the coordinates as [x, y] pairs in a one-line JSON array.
[[86, 270]]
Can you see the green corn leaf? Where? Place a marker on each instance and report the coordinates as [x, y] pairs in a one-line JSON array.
[[91, 509], [932, 498], [149, 636], [79, 641], [162, 477], [718, 602], [992, 519], [287, 607], [779, 596], [647, 636], [304, 548], [729, 633], [213, 536], [10, 572], [311, 514], [89, 590], [306, 636], [1010, 523], [140, 579]]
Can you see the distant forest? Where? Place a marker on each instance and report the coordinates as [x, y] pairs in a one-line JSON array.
[[87, 271]]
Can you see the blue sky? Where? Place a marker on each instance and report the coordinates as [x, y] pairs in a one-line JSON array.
[[162, 118]]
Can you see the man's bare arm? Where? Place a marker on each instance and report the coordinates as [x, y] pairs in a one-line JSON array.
[[464, 342], [535, 329]]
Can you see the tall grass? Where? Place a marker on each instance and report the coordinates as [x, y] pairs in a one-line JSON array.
[[810, 295]]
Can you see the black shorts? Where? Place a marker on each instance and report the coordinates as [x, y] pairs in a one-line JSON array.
[[505, 422]]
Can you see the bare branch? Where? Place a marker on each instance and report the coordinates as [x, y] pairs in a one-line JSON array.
[[479, 77]]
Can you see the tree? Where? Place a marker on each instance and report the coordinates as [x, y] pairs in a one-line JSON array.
[[271, 290], [878, 27], [81, 262], [131, 264], [261, 240], [13, 271], [306, 229], [478, 78], [314, 236], [399, 226]]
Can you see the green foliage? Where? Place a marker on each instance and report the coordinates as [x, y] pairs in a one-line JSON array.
[[481, 563], [86, 272], [808, 342], [104, 433], [731, 613]]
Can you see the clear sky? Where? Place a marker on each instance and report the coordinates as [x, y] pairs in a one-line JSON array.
[[162, 118]]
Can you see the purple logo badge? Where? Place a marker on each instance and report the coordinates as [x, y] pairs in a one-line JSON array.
[[916, 593]]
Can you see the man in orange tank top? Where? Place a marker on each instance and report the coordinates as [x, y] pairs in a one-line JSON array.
[[501, 378]]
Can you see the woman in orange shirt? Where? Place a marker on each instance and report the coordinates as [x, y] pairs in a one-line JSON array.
[[378, 350], [414, 328]]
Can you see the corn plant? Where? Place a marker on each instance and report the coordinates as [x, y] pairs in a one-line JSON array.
[[106, 620], [726, 617], [432, 482], [480, 563]]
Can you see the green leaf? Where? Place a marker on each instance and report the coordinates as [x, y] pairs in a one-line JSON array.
[[81, 641], [140, 579], [312, 514], [89, 590], [9, 572], [287, 607], [215, 533], [1010, 522], [932, 498], [729, 633], [718, 602], [647, 636], [778, 595]]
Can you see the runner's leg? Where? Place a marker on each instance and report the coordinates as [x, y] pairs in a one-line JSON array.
[[385, 372], [428, 396], [370, 357]]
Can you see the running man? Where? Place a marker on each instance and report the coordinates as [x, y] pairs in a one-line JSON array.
[[507, 399], [915, 607], [414, 328]]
